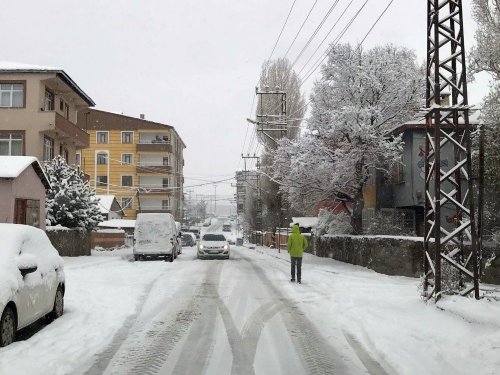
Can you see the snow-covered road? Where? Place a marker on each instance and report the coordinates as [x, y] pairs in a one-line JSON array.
[[243, 316]]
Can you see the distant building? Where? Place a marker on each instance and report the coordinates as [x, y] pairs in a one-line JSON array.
[[139, 161], [22, 191], [38, 112]]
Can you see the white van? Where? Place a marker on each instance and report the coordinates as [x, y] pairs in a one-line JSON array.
[[155, 236]]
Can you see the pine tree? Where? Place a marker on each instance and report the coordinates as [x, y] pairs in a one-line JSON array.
[[69, 201]]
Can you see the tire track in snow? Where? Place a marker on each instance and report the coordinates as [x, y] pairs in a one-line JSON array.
[[317, 354], [148, 347], [103, 359], [200, 339]]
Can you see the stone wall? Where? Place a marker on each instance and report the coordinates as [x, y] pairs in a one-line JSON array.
[[70, 242], [387, 255], [394, 255]]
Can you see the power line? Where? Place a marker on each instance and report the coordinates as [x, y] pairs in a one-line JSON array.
[[300, 29], [326, 36], [283, 28], [316, 31]]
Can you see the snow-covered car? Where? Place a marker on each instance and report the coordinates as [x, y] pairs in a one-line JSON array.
[[188, 239], [155, 236], [213, 245], [31, 279]]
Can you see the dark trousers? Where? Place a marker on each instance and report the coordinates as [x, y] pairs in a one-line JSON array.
[[296, 261]]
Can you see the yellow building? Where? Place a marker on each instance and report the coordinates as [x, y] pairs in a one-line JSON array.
[[139, 161]]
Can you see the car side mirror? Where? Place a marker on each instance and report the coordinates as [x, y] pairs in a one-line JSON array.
[[27, 264]]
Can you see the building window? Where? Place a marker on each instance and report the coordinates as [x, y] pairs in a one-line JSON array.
[[165, 204], [61, 105], [48, 103], [78, 159], [126, 180], [48, 148], [66, 111], [165, 183], [165, 160], [101, 137], [127, 202], [101, 180], [27, 211], [102, 158], [11, 144], [127, 137], [127, 159], [12, 95]]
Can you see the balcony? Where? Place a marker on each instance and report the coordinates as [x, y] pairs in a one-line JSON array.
[[154, 189], [65, 129], [153, 168], [154, 145]]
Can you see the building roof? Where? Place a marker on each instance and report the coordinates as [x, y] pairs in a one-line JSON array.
[[14, 67], [106, 203], [13, 166], [418, 122], [96, 119]]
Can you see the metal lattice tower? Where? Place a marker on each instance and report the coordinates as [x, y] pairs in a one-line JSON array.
[[448, 187]]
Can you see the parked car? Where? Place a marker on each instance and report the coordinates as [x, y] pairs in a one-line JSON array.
[[155, 236], [188, 239], [213, 245], [31, 279]]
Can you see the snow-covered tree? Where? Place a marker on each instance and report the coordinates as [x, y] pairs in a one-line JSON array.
[[277, 75], [485, 57], [69, 201], [359, 98]]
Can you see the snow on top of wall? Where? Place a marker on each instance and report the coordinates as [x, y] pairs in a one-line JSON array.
[[10, 65], [13, 166], [117, 223]]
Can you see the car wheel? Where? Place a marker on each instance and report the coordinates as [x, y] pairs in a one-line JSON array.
[[58, 308], [7, 327], [136, 257], [171, 258]]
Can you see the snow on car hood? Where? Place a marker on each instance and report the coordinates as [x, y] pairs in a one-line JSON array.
[[24, 244]]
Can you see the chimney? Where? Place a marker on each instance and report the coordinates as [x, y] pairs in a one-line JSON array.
[[141, 116]]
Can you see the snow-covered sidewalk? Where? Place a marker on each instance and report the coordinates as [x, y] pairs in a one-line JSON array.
[[385, 315]]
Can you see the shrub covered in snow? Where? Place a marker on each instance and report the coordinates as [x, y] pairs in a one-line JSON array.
[[69, 201], [333, 223]]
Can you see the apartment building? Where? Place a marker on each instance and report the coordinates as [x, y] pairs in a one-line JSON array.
[[38, 112], [140, 162]]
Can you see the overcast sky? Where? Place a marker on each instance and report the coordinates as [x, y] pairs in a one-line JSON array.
[[193, 64]]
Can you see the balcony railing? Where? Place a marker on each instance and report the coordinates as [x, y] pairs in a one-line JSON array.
[[153, 168], [154, 189], [154, 146]]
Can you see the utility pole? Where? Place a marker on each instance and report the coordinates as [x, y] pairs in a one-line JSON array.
[[448, 135], [271, 125], [256, 177]]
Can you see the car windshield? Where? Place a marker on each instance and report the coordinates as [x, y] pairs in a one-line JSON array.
[[214, 237]]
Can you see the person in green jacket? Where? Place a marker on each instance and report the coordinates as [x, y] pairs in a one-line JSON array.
[[297, 243]]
